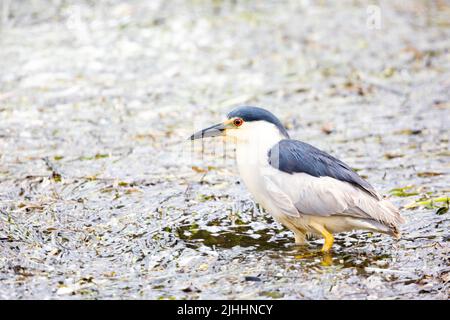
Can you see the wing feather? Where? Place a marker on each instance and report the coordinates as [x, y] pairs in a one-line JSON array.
[[292, 156], [301, 193], [280, 198]]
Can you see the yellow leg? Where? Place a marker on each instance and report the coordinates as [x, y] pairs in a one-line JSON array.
[[327, 259], [329, 239]]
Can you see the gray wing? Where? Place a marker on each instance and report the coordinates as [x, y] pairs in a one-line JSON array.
[[314, 183], [302, 194], [292, 156]]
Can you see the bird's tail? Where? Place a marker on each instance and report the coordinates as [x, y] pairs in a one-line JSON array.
[[392, 217], [384, 215]]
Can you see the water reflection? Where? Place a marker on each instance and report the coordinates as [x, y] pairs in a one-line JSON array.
[[278, 244]]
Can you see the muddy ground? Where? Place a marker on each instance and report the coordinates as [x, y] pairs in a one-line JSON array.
[[102, 196]]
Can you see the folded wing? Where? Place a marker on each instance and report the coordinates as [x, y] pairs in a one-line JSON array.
[[316, 183]]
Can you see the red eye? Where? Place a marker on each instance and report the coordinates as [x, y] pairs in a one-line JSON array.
[[238, 122]]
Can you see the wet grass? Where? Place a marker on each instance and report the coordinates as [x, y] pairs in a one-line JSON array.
[[102, 196]]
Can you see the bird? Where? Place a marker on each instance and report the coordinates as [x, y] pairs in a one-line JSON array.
[[307, 190]]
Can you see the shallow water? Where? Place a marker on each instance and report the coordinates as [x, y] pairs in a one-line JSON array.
[[102, 196]]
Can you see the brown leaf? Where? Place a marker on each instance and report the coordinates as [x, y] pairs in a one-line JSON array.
[[198, 169], [428, 174]]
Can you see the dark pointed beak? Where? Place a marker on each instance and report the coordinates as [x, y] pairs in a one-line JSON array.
[[213, 131]]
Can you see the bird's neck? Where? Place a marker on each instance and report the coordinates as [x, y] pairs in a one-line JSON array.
[[252, 149]]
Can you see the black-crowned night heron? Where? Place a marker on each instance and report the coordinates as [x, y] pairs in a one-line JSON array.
[[302, 187]]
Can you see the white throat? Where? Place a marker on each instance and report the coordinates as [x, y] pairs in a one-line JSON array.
[[253, 142]]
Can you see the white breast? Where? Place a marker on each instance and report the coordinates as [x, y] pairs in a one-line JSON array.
[[253, 144]]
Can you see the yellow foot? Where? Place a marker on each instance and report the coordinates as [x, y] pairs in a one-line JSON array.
[[329, 239], [327, 259]]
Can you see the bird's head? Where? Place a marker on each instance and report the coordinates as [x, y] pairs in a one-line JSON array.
[[244, 123]]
